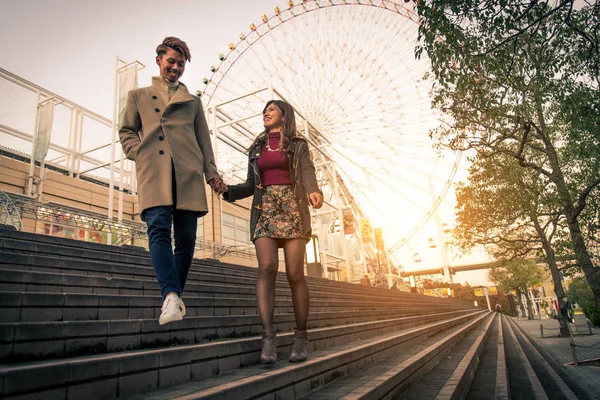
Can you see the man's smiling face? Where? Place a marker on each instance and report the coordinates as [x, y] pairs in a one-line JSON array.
[[172, 65]]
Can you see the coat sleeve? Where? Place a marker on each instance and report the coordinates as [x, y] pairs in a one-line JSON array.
[[307, 169], [241, 190], [130, 126], [203, 138]]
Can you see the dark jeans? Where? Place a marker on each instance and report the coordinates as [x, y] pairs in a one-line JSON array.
[[171, 268]]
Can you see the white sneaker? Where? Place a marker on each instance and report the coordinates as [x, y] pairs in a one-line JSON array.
[[182, 307], [171, 310]]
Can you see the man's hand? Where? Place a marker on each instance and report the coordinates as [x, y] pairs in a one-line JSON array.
[[316, 199], [218, 186]]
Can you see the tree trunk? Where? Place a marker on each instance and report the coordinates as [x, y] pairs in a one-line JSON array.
[[570, 211], [520, 299], [592, 273], [562, 314], [529, 304]]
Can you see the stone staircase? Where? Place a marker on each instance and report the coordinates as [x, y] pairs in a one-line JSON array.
[[79, 321]]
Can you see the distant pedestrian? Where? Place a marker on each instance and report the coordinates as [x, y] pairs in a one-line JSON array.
[[498, 308], [380, 279], [365, 281]]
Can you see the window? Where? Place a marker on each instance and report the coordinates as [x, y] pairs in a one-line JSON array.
[[236, 230]]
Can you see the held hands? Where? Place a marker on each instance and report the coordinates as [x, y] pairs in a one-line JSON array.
[[316, 199], [218, 186]]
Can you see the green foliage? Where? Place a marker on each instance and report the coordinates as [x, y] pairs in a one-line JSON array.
[[515, 78], [517, 275], [519, 81], [461, 292], [580, 292], [498, 208]]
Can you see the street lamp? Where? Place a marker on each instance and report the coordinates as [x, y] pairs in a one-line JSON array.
[[313, 257]]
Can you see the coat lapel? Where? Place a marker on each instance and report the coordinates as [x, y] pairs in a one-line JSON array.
[[182, 95]]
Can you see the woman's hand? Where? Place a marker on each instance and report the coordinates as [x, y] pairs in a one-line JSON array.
[[316, 199], [218, 186]]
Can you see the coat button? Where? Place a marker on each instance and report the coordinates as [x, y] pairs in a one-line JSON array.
[[161, 138], [257, 154], [154, 97], [161, 152], [157, 110]]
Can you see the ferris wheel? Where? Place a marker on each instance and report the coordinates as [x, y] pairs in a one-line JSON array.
[[348, 67]]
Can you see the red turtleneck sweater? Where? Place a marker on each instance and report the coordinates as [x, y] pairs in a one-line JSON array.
[[274, 165]]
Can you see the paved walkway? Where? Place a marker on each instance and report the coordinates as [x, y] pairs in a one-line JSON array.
[[558, 352]]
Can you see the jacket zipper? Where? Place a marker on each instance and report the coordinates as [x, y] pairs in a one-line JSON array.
[[257, 175]]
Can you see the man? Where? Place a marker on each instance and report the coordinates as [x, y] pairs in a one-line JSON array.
[[164, 131]]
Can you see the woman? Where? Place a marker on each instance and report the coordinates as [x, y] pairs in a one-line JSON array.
[[281, 177]]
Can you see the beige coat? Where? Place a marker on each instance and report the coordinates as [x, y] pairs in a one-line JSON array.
[[158, 134]]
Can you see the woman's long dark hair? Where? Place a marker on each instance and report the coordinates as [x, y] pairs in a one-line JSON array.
[[288, 129]]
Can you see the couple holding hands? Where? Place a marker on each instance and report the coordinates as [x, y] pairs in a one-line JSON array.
[[164, 131]]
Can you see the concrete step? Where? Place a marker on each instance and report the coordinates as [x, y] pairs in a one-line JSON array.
[[76, 252], [295, 381], [37, 281], [85, 315], [133, 372], [28, 263], [6, 234], [74, 249], [451, 378], [15, 280], [51, 250], [420, 372], [40, 307], [21, 342], [521, 377], [552, 384], [32, 262], [502, 387], [488, 382]]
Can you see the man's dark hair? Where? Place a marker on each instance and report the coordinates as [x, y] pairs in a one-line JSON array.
[[171, 42]]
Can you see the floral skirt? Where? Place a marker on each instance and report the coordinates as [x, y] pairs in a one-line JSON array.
[[280, 216]]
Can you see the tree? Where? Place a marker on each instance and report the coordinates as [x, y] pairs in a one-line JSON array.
[[464, 292], [590, 219], [519, 275], [521, 79], [511, 212], [461, 292], [580, 292]]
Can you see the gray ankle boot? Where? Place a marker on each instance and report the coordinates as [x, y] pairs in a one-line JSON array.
[[268, 353], [300, 350]]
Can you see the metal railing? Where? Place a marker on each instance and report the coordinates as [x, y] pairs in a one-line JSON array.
[[14, 208]]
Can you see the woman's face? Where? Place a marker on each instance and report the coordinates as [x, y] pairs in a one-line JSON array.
[[272, 117]]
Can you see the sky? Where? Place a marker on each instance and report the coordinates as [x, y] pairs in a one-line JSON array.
[[70, 46]]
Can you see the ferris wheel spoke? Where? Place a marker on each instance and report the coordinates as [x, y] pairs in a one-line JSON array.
[[348, 68]]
